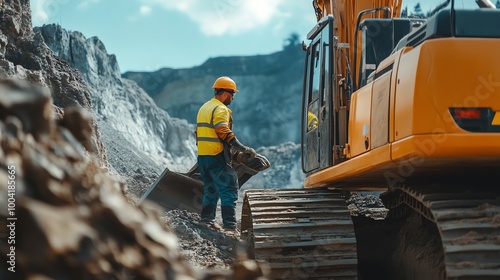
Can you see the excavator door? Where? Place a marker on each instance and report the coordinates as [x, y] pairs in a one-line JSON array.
[[317, 102]]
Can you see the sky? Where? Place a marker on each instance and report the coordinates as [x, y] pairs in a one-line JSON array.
[[146, 35]]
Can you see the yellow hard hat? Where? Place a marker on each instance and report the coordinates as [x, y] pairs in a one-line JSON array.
[[225, 83]]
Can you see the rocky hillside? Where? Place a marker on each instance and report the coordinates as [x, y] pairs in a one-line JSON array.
[[131, 121], [128, 114], [24, 55], [67, 216], [266, 111]]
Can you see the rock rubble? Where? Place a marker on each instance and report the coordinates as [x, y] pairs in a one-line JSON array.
[[73, 219]]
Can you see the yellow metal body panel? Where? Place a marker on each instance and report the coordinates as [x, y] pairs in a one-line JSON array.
[[395, 60], [496, 119], [380, 111], [431, 80], [403, 97], [472, 146], [359, 121], [375, 162]]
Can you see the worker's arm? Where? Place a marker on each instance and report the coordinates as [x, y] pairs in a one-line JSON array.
[[221, 123]]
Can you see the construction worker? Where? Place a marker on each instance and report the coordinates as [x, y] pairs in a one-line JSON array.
[[215, 138], [312, 121]]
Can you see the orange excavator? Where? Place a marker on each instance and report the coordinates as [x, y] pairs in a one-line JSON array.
[[406, 106]]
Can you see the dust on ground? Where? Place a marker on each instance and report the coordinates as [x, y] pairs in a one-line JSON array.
[[202, 246], [206, 248]]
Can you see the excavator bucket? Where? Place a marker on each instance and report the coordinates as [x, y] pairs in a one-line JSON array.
[[173, 190]]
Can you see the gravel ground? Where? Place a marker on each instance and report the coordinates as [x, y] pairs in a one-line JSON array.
[[201, 246]]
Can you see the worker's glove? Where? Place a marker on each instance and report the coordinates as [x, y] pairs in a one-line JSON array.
[[242, 157], [251, 153], [242, 148]]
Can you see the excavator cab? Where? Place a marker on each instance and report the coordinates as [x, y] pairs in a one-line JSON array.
[[327, 88], [317, 98]]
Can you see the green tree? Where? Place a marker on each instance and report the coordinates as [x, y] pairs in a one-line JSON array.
[[417, 11], [292, 41], [498, 4], [404, 12]]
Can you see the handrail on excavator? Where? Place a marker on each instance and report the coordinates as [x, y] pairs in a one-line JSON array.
[[360, 15]]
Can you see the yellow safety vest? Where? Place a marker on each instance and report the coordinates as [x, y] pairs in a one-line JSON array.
[[210, 116]]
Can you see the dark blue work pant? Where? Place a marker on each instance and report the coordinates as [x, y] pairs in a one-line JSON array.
[[219, 181]]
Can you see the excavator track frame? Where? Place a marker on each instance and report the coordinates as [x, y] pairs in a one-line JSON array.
[[300, 233], [467, 219]]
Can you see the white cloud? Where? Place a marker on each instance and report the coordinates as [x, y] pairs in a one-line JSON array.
[[39, 14], [43, 10], [87, 3], [145, 10], [219, 17]]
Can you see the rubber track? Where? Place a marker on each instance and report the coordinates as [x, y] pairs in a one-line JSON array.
[[468, 221], [301, 233]]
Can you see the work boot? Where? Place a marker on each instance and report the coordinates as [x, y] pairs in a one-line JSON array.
[[232, 232], [215, 225], [229, 217], [208, 214]]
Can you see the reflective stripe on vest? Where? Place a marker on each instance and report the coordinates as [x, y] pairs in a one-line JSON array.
[[208, 141]]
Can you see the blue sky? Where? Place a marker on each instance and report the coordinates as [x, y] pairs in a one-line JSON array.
[[150, 34], [146, 35]]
